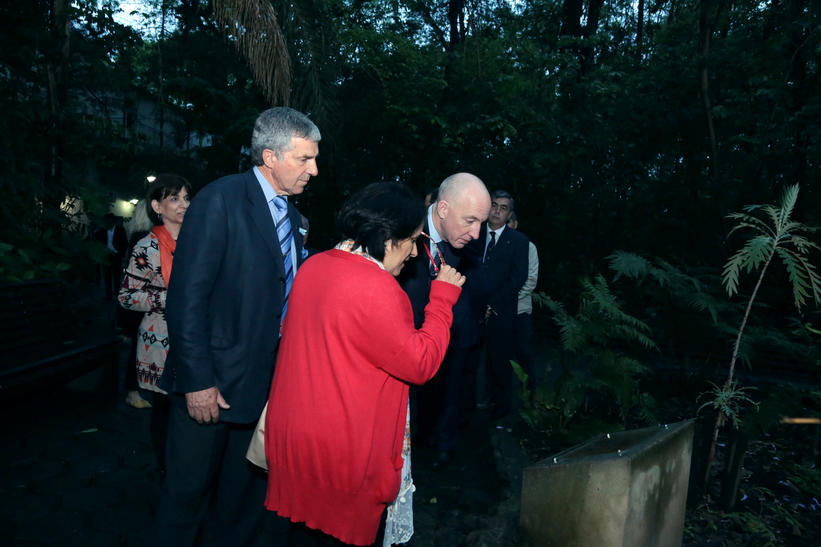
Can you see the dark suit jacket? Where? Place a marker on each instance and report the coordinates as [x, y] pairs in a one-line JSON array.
[[504, 273], [226, 295], [416, 278]]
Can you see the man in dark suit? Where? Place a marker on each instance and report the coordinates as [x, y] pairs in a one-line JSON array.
[[235, 260], [502, 274], [452, 222]]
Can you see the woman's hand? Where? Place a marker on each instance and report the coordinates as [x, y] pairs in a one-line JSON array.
[[449, 274]]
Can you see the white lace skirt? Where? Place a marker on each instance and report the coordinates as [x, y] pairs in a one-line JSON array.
[[399, 520]]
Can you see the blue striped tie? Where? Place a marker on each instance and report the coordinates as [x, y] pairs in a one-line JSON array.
[[285, 240]]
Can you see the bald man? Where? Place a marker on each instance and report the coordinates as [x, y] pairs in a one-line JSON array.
[[453, 221]]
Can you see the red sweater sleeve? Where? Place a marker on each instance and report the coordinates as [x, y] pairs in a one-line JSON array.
[[397, 347]]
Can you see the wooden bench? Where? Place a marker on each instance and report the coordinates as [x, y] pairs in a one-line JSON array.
[[45, 340]]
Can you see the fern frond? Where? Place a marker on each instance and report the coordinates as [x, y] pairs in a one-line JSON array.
[[802, 245], [775, 217], [628, 264], [749, 221], [758, 250], [732, 269], [599, 294], [795, 227], [672, 273], [754, 253], [787, 205], [702, 301], [629, 333], [803, 276]]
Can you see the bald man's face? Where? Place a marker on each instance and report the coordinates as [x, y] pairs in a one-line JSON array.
[[461, 218]]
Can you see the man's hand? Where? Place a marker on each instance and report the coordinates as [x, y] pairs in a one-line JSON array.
[[204, 405]]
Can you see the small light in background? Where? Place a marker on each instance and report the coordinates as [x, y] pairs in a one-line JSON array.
[[150, 178], [122, 208], [134, 201]]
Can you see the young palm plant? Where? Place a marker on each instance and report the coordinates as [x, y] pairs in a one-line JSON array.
[[778, 236]]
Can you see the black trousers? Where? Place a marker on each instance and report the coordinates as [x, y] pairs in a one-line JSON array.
[[524, 344], [211, 494], [158, 425], [500, 341], [458, 397]]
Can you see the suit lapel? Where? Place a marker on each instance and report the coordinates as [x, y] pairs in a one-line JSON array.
[[261, 215]]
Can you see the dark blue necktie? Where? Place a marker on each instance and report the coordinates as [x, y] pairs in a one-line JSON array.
[[490, 246]]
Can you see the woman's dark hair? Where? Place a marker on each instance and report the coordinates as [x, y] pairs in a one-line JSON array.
[[380, 212], [167, 184]]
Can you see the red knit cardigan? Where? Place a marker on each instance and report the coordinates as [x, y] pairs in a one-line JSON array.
[[336, 411]]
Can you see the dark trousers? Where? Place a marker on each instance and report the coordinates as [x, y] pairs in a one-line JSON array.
[[500, 343], [454, 409], [129, 323], [210, 491], [523, 353], [160, 409]]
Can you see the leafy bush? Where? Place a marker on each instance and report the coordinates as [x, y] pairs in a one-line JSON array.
[[601, 366]]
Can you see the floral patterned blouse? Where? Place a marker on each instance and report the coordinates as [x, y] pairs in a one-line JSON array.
[[143, 289]]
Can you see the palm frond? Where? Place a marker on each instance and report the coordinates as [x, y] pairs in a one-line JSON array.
[[802, 245], [253, 27], [775, 217], [788, 200], [749, 221], [755, 252], [732, 269], [803, 276]]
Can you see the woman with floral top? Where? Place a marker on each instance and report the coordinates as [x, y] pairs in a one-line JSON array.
[[144, 288]]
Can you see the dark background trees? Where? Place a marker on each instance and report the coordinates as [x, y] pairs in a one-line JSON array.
[[617, 125], [633, 125]]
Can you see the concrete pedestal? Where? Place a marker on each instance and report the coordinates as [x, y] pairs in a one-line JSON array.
[[621, 489]]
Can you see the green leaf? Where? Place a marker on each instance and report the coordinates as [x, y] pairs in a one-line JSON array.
[[628, 264]]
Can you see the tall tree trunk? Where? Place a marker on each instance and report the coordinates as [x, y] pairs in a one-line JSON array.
[[56, 67], [572, 18], [161, 75], [456, 20], [590, 28], [705, 29], [639, 29]]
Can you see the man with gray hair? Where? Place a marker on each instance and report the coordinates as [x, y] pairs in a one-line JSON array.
[[503, 272], [235, 261]]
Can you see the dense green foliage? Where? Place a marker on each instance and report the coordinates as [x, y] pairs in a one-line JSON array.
[[601, 365], [591, 113]]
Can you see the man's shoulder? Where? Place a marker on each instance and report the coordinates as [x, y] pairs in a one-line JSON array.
[[227, 190], [227, 183], [516, 235]]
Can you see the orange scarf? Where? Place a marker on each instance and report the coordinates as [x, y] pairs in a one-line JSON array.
[[167, 247]]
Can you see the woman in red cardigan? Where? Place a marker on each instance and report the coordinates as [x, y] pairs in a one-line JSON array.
[[337, 438]]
